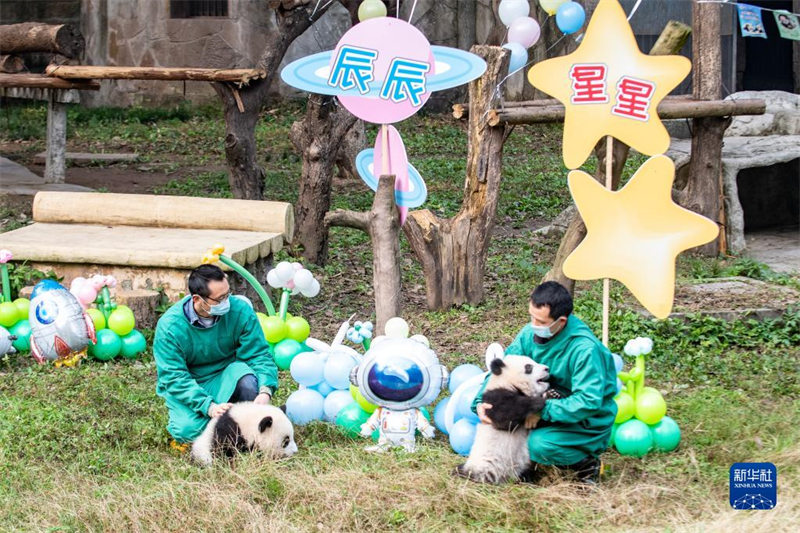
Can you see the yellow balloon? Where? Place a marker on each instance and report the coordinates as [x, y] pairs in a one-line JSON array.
[[361, 401], [551, 6], [634, 235], [589, 81], [370, 9]]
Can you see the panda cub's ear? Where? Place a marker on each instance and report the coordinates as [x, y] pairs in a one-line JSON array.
[[265, 423], [497, 366]]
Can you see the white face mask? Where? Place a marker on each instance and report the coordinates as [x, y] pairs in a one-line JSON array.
[[543, 331]]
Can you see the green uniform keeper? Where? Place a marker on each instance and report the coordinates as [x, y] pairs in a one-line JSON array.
[[210, 352], [575, 428]]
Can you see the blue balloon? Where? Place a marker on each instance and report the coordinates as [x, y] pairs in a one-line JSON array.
[[307, 368], [304, 406], [462, 436], [464, 408], [462, 373], [323, 388], [337, 370], [570, 17], [519, 56], [620, 385], [618, 362], [438, 415], [398, 380], [334, 403]]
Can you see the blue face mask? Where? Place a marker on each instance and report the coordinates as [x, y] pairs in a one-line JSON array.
[[543, 331], [221, 308]]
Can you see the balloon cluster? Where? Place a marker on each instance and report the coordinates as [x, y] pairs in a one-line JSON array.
[[370, 9], [13, 314], [115, 325], [524, 31], [641, 424], [284, 332]]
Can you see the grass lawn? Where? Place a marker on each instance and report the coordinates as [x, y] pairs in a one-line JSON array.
[[86, 448]]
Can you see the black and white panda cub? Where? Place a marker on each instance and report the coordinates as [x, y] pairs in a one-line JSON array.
[[246, 427], [516, 390]]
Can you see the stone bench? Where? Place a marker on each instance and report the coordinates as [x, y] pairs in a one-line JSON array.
[[147, 241], [751, 142]]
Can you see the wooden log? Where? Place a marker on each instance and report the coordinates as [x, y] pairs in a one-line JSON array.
[[11, 64], [37, 81], [64, 39], [671, 107], [71, 72], [382, 224]]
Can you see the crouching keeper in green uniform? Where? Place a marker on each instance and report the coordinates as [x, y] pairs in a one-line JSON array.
[[210, 352], [575, 426]]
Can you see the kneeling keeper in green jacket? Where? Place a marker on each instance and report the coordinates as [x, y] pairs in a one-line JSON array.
[[576, 425], [210, 352]]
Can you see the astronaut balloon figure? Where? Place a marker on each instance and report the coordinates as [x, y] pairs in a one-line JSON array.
[[399, 375], [60, 329]]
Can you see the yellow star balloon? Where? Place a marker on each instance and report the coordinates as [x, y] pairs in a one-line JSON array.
[[609, 87], [634, 235]]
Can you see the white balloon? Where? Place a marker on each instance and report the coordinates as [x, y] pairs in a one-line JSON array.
[[303, 279], [313, 290], [421, 339], [273, 279], [511, 10], [297, 266], [396, 327], [284, 271]]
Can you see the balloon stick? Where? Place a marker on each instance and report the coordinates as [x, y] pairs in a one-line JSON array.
[[239, 269], [284, 305], [606, 281], [6, 296]]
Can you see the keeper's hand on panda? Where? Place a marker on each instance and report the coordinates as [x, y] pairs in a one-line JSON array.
[[481, 409], [218, 409], [264, 398]]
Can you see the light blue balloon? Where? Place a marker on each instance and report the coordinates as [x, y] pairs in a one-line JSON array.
[[307, 368], [323, 388], [620, 385], [464, 408], [619, 363], [334, 403], [570, 17], [462, 436], [438, 415], [519, 56], [337, 370], [304, 406], [462, 373]]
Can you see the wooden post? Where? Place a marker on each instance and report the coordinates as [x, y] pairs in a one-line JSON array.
[[55, 162], [702, 193]]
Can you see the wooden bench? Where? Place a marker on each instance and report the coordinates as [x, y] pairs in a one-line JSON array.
[[147, 241]]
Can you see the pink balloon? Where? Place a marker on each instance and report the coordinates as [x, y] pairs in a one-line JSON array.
[[85, 294], [76, 283], [524, 31]]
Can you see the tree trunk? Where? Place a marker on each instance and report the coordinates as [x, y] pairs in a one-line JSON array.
[[354, 142], [383, 226], [11, 64], [466, 10], [453, 251], [671, 40], [703, 191], [64, 39], [318, 138]]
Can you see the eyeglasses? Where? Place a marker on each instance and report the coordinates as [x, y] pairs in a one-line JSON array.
[[220, 299]]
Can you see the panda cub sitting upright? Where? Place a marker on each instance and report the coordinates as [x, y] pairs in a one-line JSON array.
[[246, 427], [516, 391]]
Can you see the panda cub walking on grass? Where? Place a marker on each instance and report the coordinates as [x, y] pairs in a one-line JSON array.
[[516, 389], [246, 427]]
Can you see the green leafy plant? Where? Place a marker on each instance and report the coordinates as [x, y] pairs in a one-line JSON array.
[[21, 275]]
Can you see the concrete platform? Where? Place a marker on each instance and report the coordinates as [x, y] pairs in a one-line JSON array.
[[778, 249], [16, 181]]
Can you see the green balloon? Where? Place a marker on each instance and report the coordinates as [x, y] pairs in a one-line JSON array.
[[133, 344], [666, 434], [285, 351], [121, 320], [107, 347], [22, 305], [274, 329], [650, 406], [625, 407], [350, 419], [297, 328], [98, 318], [22, 330], [8, 314], [370, 9], [633, 438]]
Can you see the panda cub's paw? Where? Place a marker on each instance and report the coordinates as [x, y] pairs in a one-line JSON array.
[[483, 476]]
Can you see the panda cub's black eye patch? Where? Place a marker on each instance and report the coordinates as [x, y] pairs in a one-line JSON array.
[[528, 369], [286, 441]]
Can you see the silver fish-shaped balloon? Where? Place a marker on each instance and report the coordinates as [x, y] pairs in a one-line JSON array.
[[60, 329]]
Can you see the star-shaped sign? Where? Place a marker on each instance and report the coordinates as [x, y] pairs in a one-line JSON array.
[[634, 235], [609, 87]]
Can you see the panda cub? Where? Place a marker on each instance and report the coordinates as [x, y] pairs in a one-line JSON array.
[[246, 427], [516, 390]]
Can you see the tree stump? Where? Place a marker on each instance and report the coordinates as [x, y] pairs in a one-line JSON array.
[[64, 39]]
